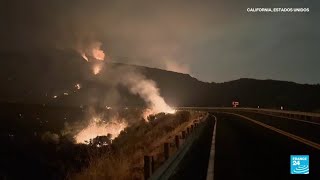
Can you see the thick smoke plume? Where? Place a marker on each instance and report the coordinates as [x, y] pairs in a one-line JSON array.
[[147, 89], [136, 83], [124, 26]]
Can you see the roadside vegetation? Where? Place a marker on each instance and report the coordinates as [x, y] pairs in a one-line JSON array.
[[39, 150], [125, 158]]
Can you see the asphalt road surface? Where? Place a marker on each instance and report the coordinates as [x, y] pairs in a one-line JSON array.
[[195, 163], [246, 150], [249, 150]]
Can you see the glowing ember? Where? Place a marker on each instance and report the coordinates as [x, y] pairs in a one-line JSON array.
[[97, 127], [96, 69], [77, 86], [84, 56]]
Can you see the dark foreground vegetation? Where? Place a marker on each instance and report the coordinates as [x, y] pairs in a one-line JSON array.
[[31, 150]]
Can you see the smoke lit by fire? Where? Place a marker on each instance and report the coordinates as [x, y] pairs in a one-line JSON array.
[[134, 81], [148, 91], [147, 112], [98, 127]]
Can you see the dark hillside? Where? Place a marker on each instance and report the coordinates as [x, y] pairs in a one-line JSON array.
[[66, 68]]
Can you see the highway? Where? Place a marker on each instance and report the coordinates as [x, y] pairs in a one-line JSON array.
[[247, 150], [251, 145]]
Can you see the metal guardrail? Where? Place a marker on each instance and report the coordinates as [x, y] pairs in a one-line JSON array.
[[307, 116], [171, 164]]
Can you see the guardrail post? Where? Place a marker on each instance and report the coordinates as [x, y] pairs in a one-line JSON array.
[[166, 150], [176, 138], [183, 134], [147, 167], [195, 125], [152, 164]]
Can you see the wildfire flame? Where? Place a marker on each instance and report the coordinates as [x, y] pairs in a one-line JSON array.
[[92, 50], [136, 82], [95, 53], [96, 69], [97, 127], [98, 54], [147, 112], [84, 56]]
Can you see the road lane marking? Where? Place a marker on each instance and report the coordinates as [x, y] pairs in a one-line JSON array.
[[210, 170], [310, 122], [300, 139]]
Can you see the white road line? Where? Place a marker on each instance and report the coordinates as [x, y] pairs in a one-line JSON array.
[[292, 136], [310, 122], [210, 171]]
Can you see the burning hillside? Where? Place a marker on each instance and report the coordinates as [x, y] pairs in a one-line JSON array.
[[92, 51], [134, 81], [99, 127], [93, 54]]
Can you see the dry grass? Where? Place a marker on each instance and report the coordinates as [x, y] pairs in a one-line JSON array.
[[126, 162], [106, 168]]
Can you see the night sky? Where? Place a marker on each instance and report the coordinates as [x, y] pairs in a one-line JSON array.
[[215, 40]]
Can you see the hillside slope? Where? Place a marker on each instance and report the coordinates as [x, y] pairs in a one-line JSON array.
[[29, 78]]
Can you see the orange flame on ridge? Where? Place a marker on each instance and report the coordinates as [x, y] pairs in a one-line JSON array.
[[98, 54], [96, 69], [84, 56]]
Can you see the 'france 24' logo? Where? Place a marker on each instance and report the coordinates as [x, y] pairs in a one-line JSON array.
[[299, 164]]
